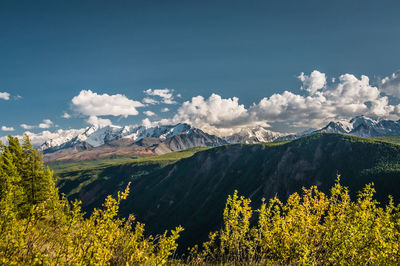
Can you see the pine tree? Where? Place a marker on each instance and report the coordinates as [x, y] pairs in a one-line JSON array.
[[37, 181], [10, 179]]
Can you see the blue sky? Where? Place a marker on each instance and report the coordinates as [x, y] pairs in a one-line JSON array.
[[51, 51]]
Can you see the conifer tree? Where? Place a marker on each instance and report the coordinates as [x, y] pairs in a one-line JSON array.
[[37, 181], [10, 179]]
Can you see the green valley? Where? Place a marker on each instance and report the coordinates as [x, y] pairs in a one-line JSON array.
[[190, 188]]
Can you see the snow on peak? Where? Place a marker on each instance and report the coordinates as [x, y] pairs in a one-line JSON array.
[[96, 135], [362, 120], [253, 135]]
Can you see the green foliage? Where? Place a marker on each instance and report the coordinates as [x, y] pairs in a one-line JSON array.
[[109, 175], [390, 139], [23, 174], [312, 228], [54, 232], [62, 167]]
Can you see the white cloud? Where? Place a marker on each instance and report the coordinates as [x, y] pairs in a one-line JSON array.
[[314, 82], [94, 120], [5, 96], [25, 126], [47, 123], [147, 123], [148, 100], [215, 114], [165, 94], [93, 104], [345, 97], [320, 100], [4, 128], [391, 85], [40, 138], [66, 115], [149, 113]]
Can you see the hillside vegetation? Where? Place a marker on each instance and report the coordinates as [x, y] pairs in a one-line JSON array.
[[92, 180], [310, 227], [391, 139], [192, 191]]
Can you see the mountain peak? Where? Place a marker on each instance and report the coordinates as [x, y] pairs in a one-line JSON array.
[[362, 126], [253, 135], [362, 120]]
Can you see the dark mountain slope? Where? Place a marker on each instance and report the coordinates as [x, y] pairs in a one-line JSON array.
[[192, 191]]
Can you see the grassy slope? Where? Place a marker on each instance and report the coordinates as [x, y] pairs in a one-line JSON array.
[[391, 139], [168, 191], [92, 180]]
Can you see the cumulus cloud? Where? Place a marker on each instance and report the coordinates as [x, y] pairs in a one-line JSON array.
[[39, 138], [391, 85], [166, 95], [148, 100], [319, 100], [5, 96], [149, 113], [345, 97], [94, 120], [147, 123], [4, 128], [47, 123], [314, 82], [66, 115], [348, 97], [93, 104], [25, 126], [215, 114]]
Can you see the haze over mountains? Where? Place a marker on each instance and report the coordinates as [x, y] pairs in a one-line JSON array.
[[103, 141]]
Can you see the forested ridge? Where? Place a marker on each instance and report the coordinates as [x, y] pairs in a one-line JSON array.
[[39, 226]]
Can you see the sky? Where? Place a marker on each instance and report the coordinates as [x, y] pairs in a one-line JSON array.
[[219, 65]]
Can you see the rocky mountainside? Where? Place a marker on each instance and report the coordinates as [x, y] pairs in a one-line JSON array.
[[96, 142]]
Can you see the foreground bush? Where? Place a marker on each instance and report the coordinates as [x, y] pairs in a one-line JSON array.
[[312, 228]]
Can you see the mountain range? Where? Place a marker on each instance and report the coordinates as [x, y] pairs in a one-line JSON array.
[[362, 126], [97, 141]]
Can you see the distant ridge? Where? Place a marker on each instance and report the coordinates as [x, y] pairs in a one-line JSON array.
[[96, 142], [102, 141], [362, 126]]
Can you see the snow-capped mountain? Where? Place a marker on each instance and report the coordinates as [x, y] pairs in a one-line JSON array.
[[254, 135], [362, 126], [96, 135], [97, 142], [100, 141]]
